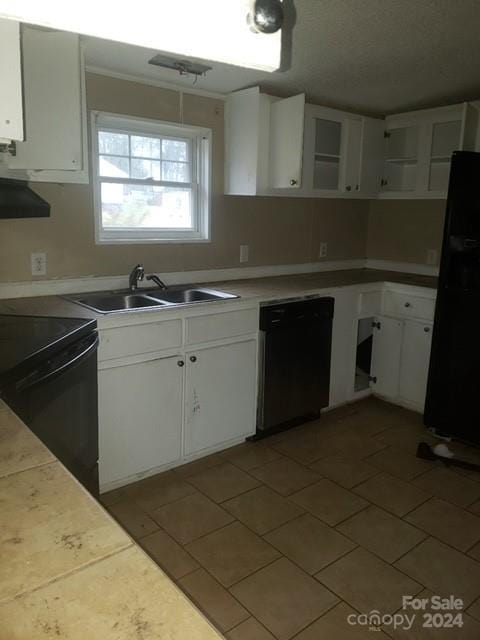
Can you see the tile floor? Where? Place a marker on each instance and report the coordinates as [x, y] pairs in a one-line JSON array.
[[286, 537]]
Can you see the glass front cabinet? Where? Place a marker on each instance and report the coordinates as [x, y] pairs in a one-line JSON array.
[[419, 146], [342, 153]]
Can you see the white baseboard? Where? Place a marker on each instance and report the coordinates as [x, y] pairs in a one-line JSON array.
[[404, 267], [98, 283]]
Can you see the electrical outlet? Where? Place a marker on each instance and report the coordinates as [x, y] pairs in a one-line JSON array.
[[244, 250], [432, 256], [39, 264], [322, 253]]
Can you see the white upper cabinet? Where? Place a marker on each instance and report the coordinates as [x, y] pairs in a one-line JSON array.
[[11, 103], [419, 147], [55, 144], [263, 143], [342, 153], [286, 147], [286, 142]]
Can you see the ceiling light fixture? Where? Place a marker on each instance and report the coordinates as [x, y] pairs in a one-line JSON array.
[[265, 16], [217, 30]]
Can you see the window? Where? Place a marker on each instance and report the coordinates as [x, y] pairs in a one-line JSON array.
[[151, 180]]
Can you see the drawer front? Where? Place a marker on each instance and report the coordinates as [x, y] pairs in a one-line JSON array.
[[140, 338], [371, 303], [408, 306], [218, 326]]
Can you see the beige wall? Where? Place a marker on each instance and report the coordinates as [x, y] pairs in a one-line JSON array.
[[405, 230], [278, 230]]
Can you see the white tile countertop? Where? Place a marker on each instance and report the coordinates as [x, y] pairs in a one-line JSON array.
[[67, 569]]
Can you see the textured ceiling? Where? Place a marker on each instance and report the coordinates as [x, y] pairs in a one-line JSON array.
[[373, 56]]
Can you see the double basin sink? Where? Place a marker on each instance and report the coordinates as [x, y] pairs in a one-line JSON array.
[[107, 302]]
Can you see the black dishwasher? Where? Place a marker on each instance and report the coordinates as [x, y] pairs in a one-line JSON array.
[[294, 373]]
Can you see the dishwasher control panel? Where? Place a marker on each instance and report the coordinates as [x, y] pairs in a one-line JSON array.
[[296, 313]]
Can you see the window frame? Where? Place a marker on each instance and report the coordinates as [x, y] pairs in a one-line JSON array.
[[200, 140]]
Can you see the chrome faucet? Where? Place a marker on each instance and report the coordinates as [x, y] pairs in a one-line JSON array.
[[158, 282], [137, 274]]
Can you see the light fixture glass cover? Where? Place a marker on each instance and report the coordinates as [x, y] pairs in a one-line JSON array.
[[266, 16], [215, 30]]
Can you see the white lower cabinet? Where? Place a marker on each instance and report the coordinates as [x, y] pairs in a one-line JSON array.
[[417, 341], [140, 418], [400, 360], [386, 354], [174, 389], [220, 395]]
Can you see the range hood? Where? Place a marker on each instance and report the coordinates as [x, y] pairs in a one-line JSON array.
[[17, 200]]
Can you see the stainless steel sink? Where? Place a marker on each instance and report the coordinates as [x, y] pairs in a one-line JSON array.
[[187, 296], [106, 301], [117, 301]]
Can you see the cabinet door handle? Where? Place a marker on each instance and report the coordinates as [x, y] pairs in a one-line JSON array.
[[293, 182], [181, 363], [426, 329], [193, 358], [357, 187], [349, 188], [407, 304]]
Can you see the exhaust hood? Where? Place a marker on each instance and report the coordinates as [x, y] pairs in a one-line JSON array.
[[17, 200]]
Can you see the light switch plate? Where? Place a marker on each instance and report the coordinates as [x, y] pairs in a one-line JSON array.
[[244, 251]]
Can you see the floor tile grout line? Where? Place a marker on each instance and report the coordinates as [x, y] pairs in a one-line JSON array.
[[53, 461], [71, 572], [415, 546], [196, 602], [447, 544], [420, 504], [356, 513], [256, 620], [182, 547], [467, 552], [433, 535], [303, 571], [327, 611]]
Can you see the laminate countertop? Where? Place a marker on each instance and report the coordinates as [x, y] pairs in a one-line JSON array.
[[277, 287], [68, 571]]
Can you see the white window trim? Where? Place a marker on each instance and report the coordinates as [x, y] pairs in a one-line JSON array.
[[201, 169]]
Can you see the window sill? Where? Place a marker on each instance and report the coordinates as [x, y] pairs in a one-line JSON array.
[[120, 241]]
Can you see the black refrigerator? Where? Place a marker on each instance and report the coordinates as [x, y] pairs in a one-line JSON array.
[[453, 392]]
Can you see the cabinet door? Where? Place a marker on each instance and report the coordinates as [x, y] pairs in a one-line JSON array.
[[140, 418], [53, 102], [220, 400], [386, 351], [417, 340], [11, 107], [352, 152], [371, 164], [286, 142], [401, 158], [444, 138], [324, 140]]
